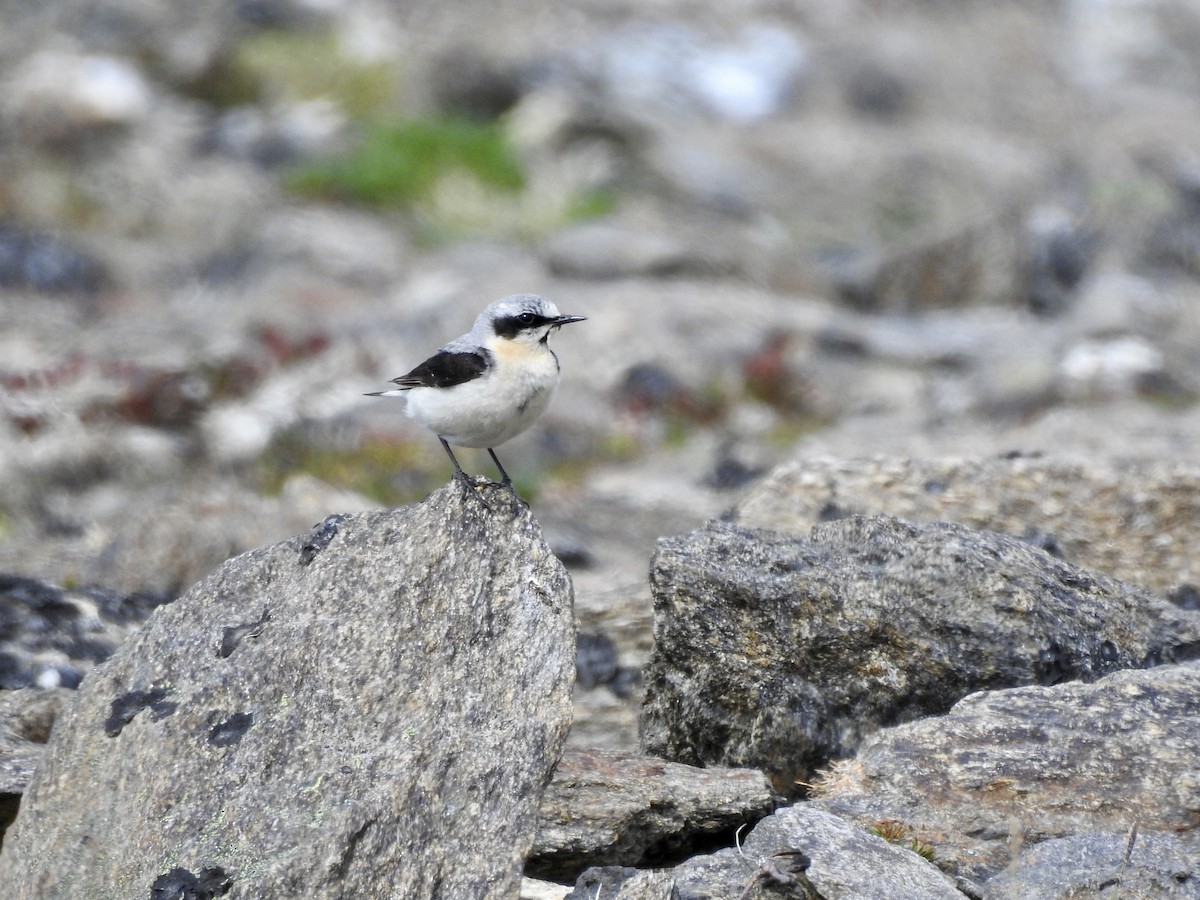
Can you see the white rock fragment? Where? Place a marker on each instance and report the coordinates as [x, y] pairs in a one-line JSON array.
[[57, 92], [1119, 364]]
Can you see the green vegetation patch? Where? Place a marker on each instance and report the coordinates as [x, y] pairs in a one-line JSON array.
[[451, 177], [896, 832], [401, 163]]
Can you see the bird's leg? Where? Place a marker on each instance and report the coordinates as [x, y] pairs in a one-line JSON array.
[[507, 482], [459, 475]]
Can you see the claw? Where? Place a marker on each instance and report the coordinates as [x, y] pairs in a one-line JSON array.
[[469, 485]]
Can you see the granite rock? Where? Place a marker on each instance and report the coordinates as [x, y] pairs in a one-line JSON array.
[[1101, 864], [1004, 771], [1136, 522], [781, 653], [614, 808], [802, 852], [26, 717], [370, 710]]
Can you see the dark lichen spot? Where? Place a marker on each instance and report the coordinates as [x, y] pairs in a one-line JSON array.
[[235, 634], [320, 537], [162, 709], [125, 707], [229, 732], [180, 884]]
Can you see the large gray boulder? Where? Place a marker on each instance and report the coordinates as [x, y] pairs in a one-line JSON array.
[[371, 710], [781, 653], [1006, 770]]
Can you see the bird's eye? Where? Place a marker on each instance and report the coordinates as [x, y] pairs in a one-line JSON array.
[[526, 318]]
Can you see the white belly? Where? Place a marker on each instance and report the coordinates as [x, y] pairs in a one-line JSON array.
[[492, 409]]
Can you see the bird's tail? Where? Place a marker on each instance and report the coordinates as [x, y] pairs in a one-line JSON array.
[[399, 393]]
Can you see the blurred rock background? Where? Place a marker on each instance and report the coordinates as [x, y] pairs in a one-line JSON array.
[[797, 229]]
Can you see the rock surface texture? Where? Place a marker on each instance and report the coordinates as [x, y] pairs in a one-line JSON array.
[[26, 717], [799, 852], [781, 653], [371, 710], [1153, 866], [1010, 769], [1145, 867], [1134, 522], [614, 808]]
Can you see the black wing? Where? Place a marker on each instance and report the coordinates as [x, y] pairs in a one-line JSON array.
[[446, 369]]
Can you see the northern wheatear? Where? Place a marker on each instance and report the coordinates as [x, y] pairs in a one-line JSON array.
[[489, 385]]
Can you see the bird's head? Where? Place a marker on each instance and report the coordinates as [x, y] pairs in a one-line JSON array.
[[522, 318]]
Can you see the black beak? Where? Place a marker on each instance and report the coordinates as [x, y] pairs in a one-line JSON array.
[[567, 320]]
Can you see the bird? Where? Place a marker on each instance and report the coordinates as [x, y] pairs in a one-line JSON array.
[[490, 384]]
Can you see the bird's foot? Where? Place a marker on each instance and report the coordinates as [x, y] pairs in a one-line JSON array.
[[472, 486]]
